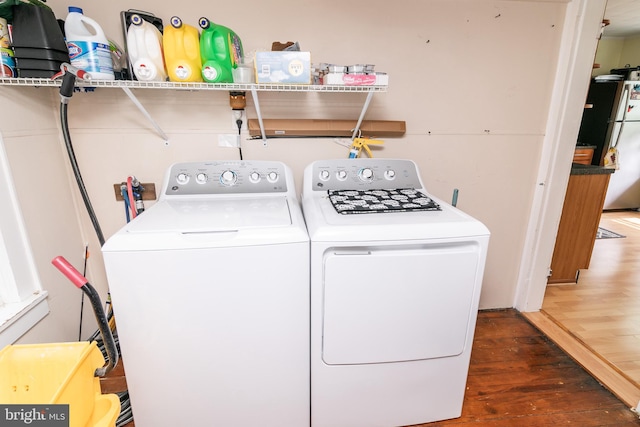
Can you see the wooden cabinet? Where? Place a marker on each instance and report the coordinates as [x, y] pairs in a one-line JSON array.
[[579, 222], [583, 156]]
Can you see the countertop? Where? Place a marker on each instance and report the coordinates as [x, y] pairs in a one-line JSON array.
[[578, 169]]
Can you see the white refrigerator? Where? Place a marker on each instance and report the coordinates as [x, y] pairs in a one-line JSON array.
[[624, 186]]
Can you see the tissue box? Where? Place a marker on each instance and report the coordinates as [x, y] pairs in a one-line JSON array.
[[288, 67]]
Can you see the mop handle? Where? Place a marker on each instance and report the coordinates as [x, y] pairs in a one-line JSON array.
[[69, 270], [103, 324]]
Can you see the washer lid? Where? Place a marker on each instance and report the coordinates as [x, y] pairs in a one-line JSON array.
[[325, 224], [210, 215]]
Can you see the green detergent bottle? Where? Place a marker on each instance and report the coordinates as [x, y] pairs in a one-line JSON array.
[[220, 50]]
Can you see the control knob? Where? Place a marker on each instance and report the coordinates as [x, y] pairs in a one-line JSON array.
[[390, 174], [182, 178], [254, 177], [324, 175], [228, 177], [365, 174], [342, 175], [201, 178], [272, 176]]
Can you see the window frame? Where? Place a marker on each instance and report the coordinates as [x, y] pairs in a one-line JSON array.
[[23, 301]]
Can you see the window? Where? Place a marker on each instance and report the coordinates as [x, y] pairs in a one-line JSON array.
[[22, 299]]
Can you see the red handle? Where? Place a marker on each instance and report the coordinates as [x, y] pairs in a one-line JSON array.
[[68, 270]]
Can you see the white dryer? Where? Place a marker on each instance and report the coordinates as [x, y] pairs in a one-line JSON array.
[[210, 289], [395, 283]]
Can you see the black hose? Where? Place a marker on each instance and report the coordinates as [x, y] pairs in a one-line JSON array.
[[66, 91], [105, 330], [239, 124], [76, 172]]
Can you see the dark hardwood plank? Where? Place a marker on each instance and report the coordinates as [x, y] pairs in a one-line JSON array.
[[518, 377]]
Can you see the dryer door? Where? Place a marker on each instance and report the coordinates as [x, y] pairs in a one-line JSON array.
[[398, 303]]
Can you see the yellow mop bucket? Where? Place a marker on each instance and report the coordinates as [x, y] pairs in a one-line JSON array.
[[61, 373]]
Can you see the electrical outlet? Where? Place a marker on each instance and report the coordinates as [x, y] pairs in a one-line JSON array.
[[242, 114]]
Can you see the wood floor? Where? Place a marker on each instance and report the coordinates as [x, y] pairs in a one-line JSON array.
[[602, 310], [518, 377]]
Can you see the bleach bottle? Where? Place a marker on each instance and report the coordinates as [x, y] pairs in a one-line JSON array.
[[88, 45], [144, 45], [181, 44], [221, 52]]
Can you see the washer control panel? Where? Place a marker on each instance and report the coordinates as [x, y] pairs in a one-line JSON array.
[[363, 174], [226, 177]]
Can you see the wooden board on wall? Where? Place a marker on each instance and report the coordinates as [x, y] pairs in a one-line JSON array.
[[326, 128]]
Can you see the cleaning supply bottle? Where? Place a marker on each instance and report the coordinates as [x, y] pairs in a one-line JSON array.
[[88, 45], [221, 52], [181, 45], [144, 45], [7, 61]]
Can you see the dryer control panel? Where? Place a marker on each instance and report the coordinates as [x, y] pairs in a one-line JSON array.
[[362, 174], [226, 177]]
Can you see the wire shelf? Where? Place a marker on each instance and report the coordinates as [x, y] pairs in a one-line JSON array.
[[135, 84], [127, 85]]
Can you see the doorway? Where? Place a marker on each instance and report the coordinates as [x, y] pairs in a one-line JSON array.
[[601, 311]]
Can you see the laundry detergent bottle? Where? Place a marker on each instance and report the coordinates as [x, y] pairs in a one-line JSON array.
[[144, 45], [88, 45], [221, 52], [181, 44]]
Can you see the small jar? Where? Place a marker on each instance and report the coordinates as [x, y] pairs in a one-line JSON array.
[[355, 69]]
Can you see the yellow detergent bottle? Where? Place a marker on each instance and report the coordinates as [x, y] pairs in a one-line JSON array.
[[181, 46]]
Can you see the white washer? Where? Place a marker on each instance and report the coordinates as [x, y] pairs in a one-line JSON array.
[[394, 295], [210, 290]]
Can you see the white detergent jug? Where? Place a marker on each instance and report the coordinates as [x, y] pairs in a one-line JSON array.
[[88, 46], [144, 45]]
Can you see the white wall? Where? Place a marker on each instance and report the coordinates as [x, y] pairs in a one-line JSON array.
[[42, 180], [472, 79]]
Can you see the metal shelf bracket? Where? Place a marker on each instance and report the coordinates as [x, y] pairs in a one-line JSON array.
[[146, 114]]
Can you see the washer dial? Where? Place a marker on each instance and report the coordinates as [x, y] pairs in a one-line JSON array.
[[389, 174], [254, 177], [182, 178], [342, 175], [272, 176], [201, 178], [365, 174], [228, 177]]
